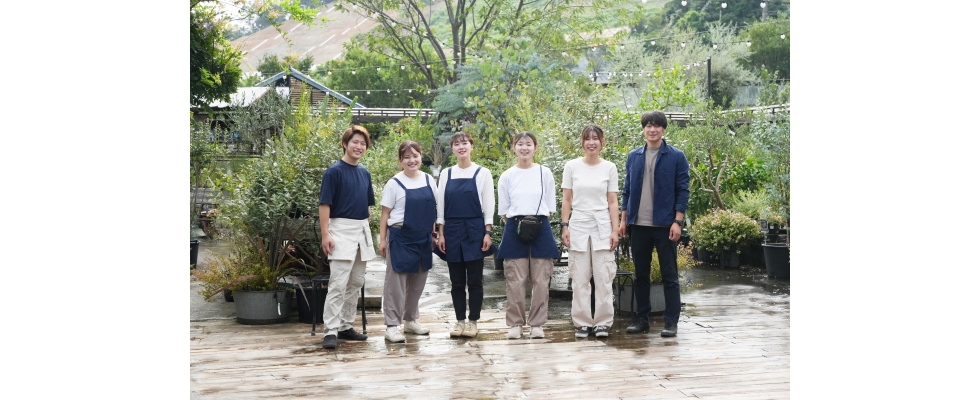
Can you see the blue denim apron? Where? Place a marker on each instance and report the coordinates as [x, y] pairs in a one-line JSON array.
[[411, 245], [463, 215]]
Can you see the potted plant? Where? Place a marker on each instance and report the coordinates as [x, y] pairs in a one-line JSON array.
[[624, 262], [725, 233], [255, 272]]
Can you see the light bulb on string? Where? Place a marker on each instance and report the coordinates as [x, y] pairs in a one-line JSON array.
[[389, 90], [403, 66], [782, 36], [348, 93], [643, 1], [762, 4], [368, 92], [748, 43], [684, 3], [427, 66], [329, 72], [653, 42], [648, 74], [622, 46], [410, 90], [683, 44], [353, 72], [593, 48], [724, 5]]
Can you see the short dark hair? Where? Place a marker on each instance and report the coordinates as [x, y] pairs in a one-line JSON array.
[[589, 128], [460, 136], [355, 129], [405, 146], [523, 135], [656, 118]]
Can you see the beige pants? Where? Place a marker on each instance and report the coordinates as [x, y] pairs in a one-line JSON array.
[[402, 292], [599, 265], [340, 307], [517, 271]]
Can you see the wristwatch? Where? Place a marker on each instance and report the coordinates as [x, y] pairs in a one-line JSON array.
[[679, 223], [490, 233], [564, 224]]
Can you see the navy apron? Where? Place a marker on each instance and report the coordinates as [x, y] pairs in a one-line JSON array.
[[544, 246], [411, 245], [463, 215]]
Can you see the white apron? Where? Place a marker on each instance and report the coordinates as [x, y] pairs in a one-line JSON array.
[[585, 224], [347, 235]]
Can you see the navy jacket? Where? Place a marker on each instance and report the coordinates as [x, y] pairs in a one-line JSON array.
[[670, 184]]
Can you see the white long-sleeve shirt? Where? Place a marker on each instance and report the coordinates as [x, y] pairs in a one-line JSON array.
[[484, 188], [520, 192]]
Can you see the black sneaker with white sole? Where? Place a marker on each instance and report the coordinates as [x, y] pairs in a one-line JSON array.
[[582, 332], [601, 331]]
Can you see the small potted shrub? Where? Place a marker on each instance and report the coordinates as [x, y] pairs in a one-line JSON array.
[[255, 272], [725, 233], [685, 261]]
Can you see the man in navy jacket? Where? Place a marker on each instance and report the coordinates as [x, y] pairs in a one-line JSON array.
[[655, 195]]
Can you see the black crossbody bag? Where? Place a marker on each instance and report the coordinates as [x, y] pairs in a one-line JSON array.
[[529, 226]]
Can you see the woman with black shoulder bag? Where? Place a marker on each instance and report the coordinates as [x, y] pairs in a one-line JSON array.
[[526, 200]]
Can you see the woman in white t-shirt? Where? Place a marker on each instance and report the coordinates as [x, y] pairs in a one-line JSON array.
[[589, 185], [406, 241], [527, 189]]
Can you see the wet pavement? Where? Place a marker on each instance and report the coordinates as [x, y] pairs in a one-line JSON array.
[[731, 320]]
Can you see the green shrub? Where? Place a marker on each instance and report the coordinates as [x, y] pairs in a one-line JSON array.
[[685, 261], [724, 230]]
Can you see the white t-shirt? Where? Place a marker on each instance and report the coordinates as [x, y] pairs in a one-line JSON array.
[[590, 184], [393, 196], [520, 192], [484, 188]]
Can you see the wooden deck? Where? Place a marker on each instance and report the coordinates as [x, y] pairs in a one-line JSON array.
[[733, 342]]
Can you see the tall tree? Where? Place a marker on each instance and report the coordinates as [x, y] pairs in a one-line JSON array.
[[214, 63], [214, 69], [408, 31]]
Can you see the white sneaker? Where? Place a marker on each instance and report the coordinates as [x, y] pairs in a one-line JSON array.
[[537, 332], [470, 329], [416, 328], [515, 332], [392, 335], [458, 329]]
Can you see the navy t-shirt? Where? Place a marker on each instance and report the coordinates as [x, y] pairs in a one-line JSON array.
[[347, 189]]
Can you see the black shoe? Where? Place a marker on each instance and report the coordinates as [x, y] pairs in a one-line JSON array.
[[351, 334], [330, 342], [639, 325], [670, 330]]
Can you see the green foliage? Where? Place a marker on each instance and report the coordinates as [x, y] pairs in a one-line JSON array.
[[752, 204], [772, 91], [389, 77], [276, 192], [251, 127], [737, 13], [499, 98], [214, 63], [772, 138], [714, 144], [271, 64], [724, 230], [410, 31], [669, 91], [250, 81], [770, 50]]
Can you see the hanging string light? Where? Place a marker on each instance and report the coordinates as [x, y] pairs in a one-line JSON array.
[[762, 4], [684, 3], [782, 36]]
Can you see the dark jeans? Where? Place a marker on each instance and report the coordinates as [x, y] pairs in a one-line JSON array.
[[463, 275], [643, 239]]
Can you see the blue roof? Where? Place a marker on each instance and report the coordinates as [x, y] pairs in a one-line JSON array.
[[311, 82]]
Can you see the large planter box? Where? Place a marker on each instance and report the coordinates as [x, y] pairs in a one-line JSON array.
[[777, 260], [262, 308], [625, 301]]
